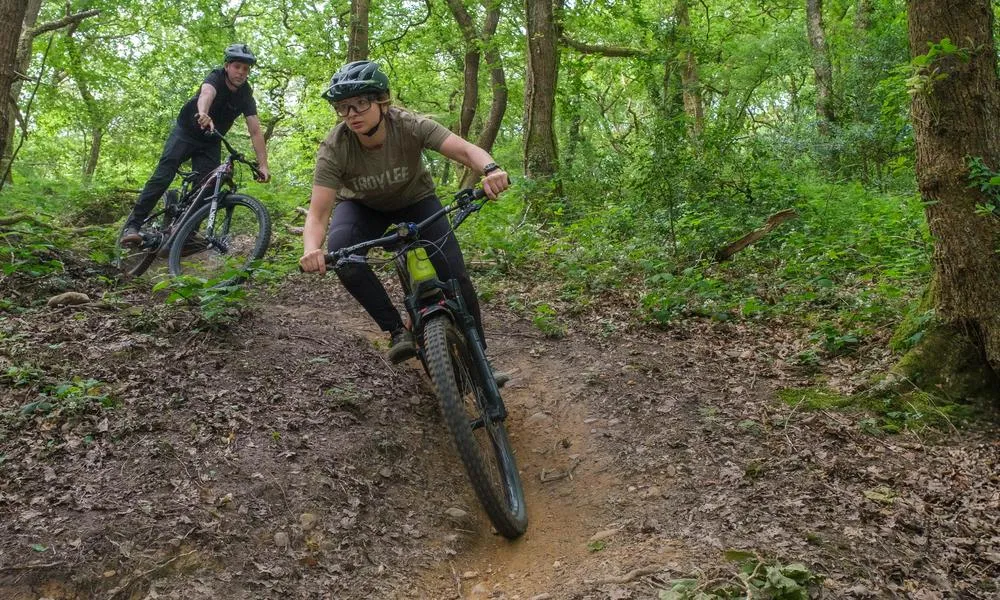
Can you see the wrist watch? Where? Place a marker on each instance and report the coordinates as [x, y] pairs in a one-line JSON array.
[[490, 168]]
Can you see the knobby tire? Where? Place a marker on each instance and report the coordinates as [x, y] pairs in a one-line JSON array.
[[192, 228], [490, 466], [132, 262]]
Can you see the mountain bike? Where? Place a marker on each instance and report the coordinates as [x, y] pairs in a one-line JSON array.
[[453, 355], [205, 228]]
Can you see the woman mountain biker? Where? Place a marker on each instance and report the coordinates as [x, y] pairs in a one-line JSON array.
[[369, 175]]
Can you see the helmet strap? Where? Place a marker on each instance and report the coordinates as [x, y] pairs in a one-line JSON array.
[[381, 116]]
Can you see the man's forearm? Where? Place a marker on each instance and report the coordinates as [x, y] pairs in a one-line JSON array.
[[259, 148]]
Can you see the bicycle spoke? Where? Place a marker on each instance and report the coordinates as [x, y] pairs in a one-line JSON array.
[[237, 239]]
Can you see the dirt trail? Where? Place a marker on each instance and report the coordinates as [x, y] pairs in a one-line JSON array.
[[288, 460], [567, 477]]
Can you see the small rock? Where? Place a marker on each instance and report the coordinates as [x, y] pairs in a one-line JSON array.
[[652, 492], [671, 471], [650, 525], [470, 574], [456, 513], [385, 472], [68, 298], [557, 564], [539, 417], [281, 539], [307, 521], [481, 589], [603, 535]]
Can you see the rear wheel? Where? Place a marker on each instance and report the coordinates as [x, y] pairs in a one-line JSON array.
[[134, 260], [240, 236], [478, 431]]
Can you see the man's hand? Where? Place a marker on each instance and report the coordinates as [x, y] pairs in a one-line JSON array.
[[495, 183], [264, 176], [205, 122], [314, 261]]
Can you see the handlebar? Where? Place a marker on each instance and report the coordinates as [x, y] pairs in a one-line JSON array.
[[466, 202], [236, 155]]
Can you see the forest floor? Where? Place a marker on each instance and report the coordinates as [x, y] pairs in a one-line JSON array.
[[285, 458]]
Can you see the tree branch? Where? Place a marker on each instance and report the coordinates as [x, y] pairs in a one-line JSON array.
[[63, 22], [609, 51]]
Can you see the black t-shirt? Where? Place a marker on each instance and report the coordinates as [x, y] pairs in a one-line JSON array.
[[226, 106]]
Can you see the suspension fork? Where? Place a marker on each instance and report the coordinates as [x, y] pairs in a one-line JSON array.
[[477, 347], [210, 224]]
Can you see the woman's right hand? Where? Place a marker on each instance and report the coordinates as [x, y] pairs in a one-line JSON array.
[[314, 261]]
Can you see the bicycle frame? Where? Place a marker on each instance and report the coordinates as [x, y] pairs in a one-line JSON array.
[[431, 296], [193, 198]]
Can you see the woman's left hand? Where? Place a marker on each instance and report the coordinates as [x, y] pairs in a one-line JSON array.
[[495, 183]]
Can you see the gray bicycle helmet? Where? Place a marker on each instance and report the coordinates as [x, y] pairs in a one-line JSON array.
[[357, 79], [240, 53]]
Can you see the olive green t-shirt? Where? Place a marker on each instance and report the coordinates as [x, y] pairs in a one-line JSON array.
[[386, 178]]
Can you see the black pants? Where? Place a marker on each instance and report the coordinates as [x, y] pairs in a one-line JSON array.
[[205, 156], [354, 223]]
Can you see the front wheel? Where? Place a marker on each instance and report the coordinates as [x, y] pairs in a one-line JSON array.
[[241, 235], [477, 428]]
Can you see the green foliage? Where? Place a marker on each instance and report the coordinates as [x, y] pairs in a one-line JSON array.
[[928, 70], [218, 304], [988, 183], [879, 414], [546, 321], [755, 579], [60, 400]]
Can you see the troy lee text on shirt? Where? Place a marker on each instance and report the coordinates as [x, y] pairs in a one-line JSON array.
[[379, 182]]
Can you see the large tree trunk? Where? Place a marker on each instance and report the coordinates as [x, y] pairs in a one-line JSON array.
[[953, 119], [690, 86], [22, 62], [357, 43], [821, 64], [540, 154], [11, 19]]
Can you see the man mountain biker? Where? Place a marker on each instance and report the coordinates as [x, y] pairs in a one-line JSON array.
[[224, 95], [369, 174]]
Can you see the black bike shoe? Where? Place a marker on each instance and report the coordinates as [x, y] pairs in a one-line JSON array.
[[130, 237], [401, 347]]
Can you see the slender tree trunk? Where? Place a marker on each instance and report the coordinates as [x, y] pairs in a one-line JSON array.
[[96, 118], [498, 87], [690, 86], [955, 118], [821, 64], [97, 135], [11, 20], [498, 82], [470, 97], [357, 43], [863, 15], [540, 151]]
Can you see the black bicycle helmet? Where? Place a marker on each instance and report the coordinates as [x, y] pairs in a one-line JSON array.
[[357, 79], [240, 53]]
